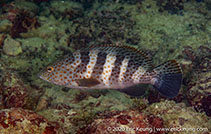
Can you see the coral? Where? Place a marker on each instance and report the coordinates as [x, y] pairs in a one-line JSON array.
[[17, 120], [12, 47], [125, 122]]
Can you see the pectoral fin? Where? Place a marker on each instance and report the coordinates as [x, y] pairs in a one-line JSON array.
[[90, 82]]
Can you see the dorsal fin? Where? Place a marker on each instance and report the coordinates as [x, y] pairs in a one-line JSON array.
[[140, 57], [124, 47]]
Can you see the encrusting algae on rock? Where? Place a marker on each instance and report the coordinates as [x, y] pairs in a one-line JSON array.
[[20, 121], [12, 47]]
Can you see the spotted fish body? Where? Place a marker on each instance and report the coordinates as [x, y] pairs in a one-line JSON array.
[[113, 67]]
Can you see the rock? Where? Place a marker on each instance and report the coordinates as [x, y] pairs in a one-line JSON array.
[[199, 91], [126, 122], [15, 93], [42, 104], [21, 121], [1, 100], [12, 47], [2, 38], [197, 77], [178, 115], [5, 25], [76, 109], [64, 118]]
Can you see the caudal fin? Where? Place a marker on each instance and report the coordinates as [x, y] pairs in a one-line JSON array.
[[168, 79]]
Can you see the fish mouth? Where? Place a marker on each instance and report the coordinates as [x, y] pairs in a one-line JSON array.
[[40, 75]]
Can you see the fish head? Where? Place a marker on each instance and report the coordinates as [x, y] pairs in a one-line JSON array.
[[54, 73], [47, 73], [59, 72]]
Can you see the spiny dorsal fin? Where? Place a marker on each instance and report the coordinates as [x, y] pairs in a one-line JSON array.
[[126, 47], [139, 57]]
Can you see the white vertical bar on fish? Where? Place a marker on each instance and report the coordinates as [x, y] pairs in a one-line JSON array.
[[107, 68], [123, 69], [91, 64], [137, 74]]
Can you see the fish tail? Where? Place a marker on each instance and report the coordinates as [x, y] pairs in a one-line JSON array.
[[168, 78]]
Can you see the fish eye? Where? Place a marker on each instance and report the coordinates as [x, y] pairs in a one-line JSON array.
[[50, 69]]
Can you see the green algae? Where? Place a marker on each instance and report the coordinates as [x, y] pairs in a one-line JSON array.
[[156, 30], [83, 118], [112, 100], [50, 28], [27, 6], [79, 113], [60, 7], [162, 31], [140, 103], [83, 112]]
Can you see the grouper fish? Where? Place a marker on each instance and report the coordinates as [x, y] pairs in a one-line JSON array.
[[113, 67]]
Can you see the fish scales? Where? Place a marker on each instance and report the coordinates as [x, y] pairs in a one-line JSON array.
[[59, 68], [113, 67], [114, 78], [98, 68], [82, 67]]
